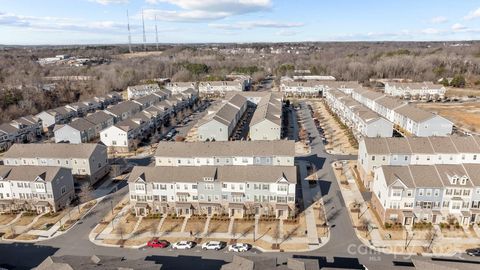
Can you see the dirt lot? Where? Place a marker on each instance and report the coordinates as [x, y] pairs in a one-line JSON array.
[[24, 220], [195, 225], [148, 225], [51, 219], [6, 218], [462, 92], [125, 225], [465, 115], [218, 226], [295, 229], [243, 226], [172, 225], [269, 228]]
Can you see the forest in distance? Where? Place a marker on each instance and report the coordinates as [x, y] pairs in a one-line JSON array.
[[22, 78]]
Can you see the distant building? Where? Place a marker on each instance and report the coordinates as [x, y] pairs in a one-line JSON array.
[[138, 91], [314, 77], [268, 263], [416, 91], [179, 87], [73, 262], [221, 87]]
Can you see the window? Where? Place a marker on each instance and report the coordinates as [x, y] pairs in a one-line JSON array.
[[463, 181], [224, 197], [209, 186], [140, 187], [163, 187], [428, 192], [373, 158], [195, 197], [194, 186], [282, 188], [232, 186], [409, 193], [449, 191], [474, 157], [185, 186], [396, 193], [420, 192], [454, 180], [240, 187], [265, 186], [436, 193], [466, 192], [64, 189]]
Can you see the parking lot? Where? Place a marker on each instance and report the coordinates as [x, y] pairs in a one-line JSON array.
[[243, 127]]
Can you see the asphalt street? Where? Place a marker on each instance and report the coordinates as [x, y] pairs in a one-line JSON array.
[[344, 250]]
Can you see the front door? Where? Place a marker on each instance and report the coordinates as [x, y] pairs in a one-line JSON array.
[[472, 219], [209, 210], [408, 220], [434, 219]]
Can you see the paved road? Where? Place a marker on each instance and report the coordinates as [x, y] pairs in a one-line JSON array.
[[343, 250]]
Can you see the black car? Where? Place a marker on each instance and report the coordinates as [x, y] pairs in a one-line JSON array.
[[473, 251]]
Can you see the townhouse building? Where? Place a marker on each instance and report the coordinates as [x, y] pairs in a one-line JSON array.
[[83, 130], [302, 88], [415, 91], [123, 110], [35, 188], [77, 131], [220, 87], [209, 190], [20, 130], [81, 108], [361, 120], [221, 153], [266, 122], [180, 87], [87, 161], [60, 115], [406, 118], [220, 121], [137, 91], [377, 152], [437, 193], [125, 135]]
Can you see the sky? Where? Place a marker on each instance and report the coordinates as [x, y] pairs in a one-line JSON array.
[[57, 22]]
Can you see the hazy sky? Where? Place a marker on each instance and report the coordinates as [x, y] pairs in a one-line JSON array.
[[105, 21]]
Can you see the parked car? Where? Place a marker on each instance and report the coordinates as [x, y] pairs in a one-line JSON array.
[[214, 245], [155, 243], [239, 247], [183, 245], [473, 251]]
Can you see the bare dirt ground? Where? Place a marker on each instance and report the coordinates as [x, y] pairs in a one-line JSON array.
[[148, 225], [459, 92], [6, 218], [465, 115], [138, 54], [218, 226], [172, 225]]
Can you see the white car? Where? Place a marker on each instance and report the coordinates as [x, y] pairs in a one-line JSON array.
[[183, 245], [239, 247], [213, 245]]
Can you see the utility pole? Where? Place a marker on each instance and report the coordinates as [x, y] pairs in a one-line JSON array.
[[129, 34], [144, 36], [156, 32]]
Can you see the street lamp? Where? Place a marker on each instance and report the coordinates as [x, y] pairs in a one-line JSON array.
[[111, 205], [364, 211]]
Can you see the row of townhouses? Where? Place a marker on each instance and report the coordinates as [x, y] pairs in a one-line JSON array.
[[416, 91], [141, 117], [35, 188], [238, 83], [86, 161], [218, 153], [407, 118], [428, 193], [363, 121], [221, 119], [315, 88], [83, 130], [137, 91], [266, 122], [63, 115], [377, 152], [209, 190], [23, 129], [234, 178], [431, 179]]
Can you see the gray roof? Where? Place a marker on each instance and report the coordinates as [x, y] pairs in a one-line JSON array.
[[415, 114], [394, 173], [415, 85], [53, 150], [72, 262], [98, 117], [123, 107], [449, 170], [81, 124], [425, 176], [29, 173], [268, 108], [231, 148], [423, 145], [264, 174]]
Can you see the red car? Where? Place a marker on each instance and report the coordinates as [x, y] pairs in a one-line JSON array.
[[155, 243]]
